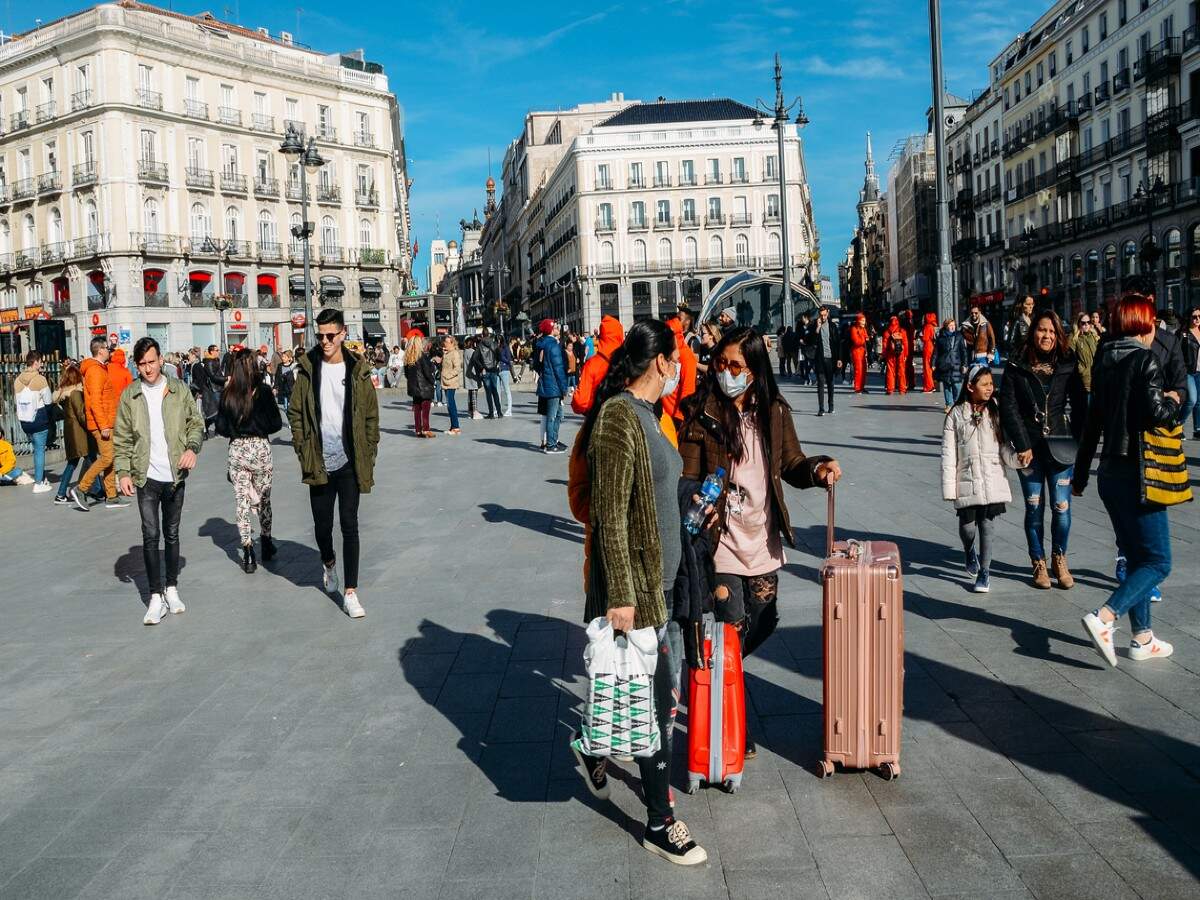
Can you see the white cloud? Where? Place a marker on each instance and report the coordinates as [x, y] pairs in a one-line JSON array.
[[854, 67]]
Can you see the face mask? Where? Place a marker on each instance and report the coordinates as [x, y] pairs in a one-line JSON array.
[[733, 387], [670, 384]]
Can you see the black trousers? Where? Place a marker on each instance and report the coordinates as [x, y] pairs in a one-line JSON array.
[[785, 364], [825, 369], [341, 488], [752, 602], [161, 505]]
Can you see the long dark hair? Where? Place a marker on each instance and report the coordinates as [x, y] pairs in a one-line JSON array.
[[644, 342], [975, 373], [1030, 355], [761, 394], [244, 378]]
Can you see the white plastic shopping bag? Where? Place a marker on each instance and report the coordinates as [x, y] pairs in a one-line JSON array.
[[620, 719]]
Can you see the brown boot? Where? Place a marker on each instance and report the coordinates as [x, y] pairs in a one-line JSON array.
[[1058, 565], [1041, 578]]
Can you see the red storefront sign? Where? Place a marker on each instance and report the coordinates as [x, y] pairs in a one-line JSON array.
[[10, 315], [35, 312], [988, 298]]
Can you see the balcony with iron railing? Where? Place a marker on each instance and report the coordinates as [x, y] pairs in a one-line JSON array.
[[1102, 93], [1191, 38], [604, 184], [364, 139], [636, 224], [81, 100], [329, 193], [4, 198], [1162, 60], [739, 178], [151, 171], [156, 299], [155, 243], [26, 258], [740, 219], [687, 180], [195, 109], [664, 223], [270, 250], [296, 251], [769, 218], [60, 306], [262, 122], [1121, 82], [326, 132], [203, 245], [233, 183], [46, 111], [294, 125], [293, 191], [605, 226], [661, 181], [266, 187], [268, 301], [92, 245], [331, 253], [227, 115], [97, 300], [23, 189], [715, 220], [18, 120], [366, 198], [713, 178], [49, 183], [84, 173], [54, 253], [636, 183], [689, 220], [148, 99], [201, 179]]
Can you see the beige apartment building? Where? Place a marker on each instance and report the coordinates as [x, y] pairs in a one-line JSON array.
[[141, 179]]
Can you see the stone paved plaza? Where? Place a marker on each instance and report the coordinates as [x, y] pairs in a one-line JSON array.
[[262, 745]]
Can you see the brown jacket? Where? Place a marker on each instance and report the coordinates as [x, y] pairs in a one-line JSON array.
[[74, 419], [704, 449], [981, 340]]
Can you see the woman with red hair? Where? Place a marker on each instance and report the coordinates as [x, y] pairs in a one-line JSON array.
[[1128, 400]]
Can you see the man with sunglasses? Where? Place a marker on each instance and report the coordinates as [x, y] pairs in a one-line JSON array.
[[334, 417]]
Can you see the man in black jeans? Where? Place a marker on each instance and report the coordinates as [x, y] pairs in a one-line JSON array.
[[334, 417], [157, 435], [825, 345]]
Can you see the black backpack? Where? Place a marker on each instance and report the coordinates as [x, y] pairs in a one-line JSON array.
[[487, 356]]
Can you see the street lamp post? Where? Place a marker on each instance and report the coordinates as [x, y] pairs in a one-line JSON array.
[[1150, 252], [498, 272], [781, 113], [309, 160]]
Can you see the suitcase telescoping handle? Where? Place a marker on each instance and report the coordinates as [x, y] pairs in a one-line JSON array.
[[829, 525]]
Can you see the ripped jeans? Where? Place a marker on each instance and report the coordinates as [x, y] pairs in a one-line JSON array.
[[1043, 473]]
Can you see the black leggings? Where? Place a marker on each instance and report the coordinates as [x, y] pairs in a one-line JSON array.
[[157, 497], [343, 488], [753, 601]]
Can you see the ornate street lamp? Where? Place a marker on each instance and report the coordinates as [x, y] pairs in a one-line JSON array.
[[1151, 196], [499, 307], [222, 302], [309, 160]]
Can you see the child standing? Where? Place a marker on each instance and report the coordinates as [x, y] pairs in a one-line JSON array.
[[974, 457]]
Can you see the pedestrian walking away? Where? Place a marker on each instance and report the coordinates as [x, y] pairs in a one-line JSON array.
[[506, 379], [634, 512], [207, 381], [248, 416], [738, 422], [611, 336], [420, 376], [974, 456], [950, 361], [100, 405], [334, 419], [1043, 406], [156, 438], [1136, 482], [1189, 337], [825, 342], [34, 405], [485, 364]]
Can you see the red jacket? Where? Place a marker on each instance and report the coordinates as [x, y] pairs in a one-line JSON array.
[[687, 373], [893, 332], [858, 336], [99, 401], [612, 335]]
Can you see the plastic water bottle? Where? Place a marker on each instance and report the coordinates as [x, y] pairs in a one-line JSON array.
[[698, 511]]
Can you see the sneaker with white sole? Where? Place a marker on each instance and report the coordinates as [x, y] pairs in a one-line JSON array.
[[24, 479], [174, 604], [116, 503], [1153, 649], [79, 499], [1101, 634], [155, 611], [1155, 595], [351, 605], [673, 842], [982, 583], [594, 769], [329, 578], [42, 487], [62, 501]]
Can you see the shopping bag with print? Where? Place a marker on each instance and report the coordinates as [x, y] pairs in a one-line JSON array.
[[619, 718]]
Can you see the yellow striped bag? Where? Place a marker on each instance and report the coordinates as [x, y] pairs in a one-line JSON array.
[[1165, 478]]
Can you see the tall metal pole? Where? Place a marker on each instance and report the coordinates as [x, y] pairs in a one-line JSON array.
[[789, 313], [944, 291], [309, 328]]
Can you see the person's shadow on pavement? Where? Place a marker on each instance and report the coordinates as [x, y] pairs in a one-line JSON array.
[[299, 563], [534, 520], [130, 568]]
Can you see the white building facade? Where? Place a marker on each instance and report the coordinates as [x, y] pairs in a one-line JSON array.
[[141, 177]]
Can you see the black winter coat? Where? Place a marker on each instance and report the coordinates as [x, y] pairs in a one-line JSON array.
[[950, 355], [264, 418], [1191, 351], [1024, 402], [420, 377], [1168, 350]]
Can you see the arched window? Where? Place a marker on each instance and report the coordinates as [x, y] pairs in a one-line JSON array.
[[200, 222], [329, 234], [1129, 259], [1173, 245], [1093, 266], [233, 224], [664, 252], [1059, 271], [364, 233], [91, 218], [716, 250], [1193, 253], [606, 255], [691, 251], [1076, 269], [1110, 262], [30, 235], [774, 249], [5, 238], [150, 218], [741, 250], [56, 226], [266, 228], [639, 255]]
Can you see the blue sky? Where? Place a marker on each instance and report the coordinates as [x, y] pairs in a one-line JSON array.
[[466, 73]]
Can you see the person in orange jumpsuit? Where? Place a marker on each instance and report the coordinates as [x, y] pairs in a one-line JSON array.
[[928, 343], [858, 352], [895, 356], [908, 323], [118, 372], [612, 335], [687, 374]]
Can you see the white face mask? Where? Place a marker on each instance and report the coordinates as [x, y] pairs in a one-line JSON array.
[[733, 387], [671, 383]]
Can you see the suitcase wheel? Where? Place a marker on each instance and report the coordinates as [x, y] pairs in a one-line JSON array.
[[824, 768], [732, 783], [693, 783], [890, 771]]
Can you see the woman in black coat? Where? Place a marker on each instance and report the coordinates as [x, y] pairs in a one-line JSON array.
[[950, 361], [1043, 405], [419, 376]]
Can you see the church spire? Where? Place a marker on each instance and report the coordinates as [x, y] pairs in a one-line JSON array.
[[870, 191]]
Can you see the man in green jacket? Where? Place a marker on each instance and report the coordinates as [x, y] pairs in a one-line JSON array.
[[334, 416], [157, 435]]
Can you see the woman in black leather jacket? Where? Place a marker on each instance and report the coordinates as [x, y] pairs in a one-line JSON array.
[[1043, 405], [1189, 337], [1127, 400]]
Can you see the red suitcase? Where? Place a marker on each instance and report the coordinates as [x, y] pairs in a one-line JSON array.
[[717, 711], [864, 654]]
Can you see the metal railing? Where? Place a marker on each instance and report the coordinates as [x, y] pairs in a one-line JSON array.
[[638, 225], [713, 178], [195, 109], [239, 249], [293, 191], [89, 246], [49, 182], [227, 115], [156, 299], [81, 100], [23, 188], [326, 132], [18, 120], [739, 178], [605, 226], [715, 221], [55, 252], [266, 187], [46, 111], [198, 178], [332, 253], [364, 139], [692, 221], [148, 99], [687, 180], [270, 250], [743, 220], [84, 173], [268, 301], [156, 243], [662, 181], [664, 223], [149, 170], [27, 258], [328, 193], [233, 182], [10, 368], [262, 122], [369, 197]]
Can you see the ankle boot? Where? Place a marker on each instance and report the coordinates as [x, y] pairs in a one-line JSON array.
[[249, 563], [268, 548], [1058, 565], [1041, 578]]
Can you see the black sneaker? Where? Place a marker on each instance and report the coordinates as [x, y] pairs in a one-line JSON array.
[[61, 500], [593, 768], [674, 843], [557, 448]]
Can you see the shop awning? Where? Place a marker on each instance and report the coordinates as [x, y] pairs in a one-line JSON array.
[[331, 284], [270, 281], [370, 287], [296, 284], [373, 328]]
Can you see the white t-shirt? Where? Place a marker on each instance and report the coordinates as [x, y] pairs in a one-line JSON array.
[[333, 406], [160, 460]]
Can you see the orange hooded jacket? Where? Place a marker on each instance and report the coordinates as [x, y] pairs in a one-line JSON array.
[[99, 401], [858, 333], [687, 373], [612, 335], [894, 330], [118, 374], [929, 333]]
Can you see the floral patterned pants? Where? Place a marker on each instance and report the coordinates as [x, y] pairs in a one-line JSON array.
[[250, 470]]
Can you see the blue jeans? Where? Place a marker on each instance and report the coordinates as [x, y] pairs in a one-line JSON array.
[[39, 439], [950, 391], [438, 391], [491, 389], [451, 406], [1143, 534], [12, 475], [554, 416], [68, 475], [1043, 472], [1192, 403], [506, 390]]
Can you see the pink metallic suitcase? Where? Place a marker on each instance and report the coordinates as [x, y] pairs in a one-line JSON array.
[[864, 655]]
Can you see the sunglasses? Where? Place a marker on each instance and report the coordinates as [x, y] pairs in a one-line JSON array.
[[1196, 318], [1085, 321], [327, 338], [721, 364]]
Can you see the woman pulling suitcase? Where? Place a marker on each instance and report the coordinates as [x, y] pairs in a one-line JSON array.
[[737, 421]]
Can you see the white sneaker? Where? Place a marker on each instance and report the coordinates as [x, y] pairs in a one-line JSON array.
[[329, 578], [1102, 636], [24, 479], [174, 604], [1155, 649], [42, 487], [155, 611], [353, 608]]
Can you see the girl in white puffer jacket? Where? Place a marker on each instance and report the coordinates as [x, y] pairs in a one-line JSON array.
[[974, 459]]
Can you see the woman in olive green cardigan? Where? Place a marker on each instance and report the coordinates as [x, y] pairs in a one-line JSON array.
[[634, 476]]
